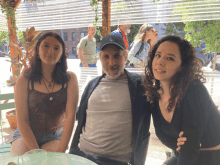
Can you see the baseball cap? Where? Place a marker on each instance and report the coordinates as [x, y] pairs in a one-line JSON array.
[[112, 39]]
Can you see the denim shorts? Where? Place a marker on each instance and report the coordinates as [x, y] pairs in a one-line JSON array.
[[41, 138]]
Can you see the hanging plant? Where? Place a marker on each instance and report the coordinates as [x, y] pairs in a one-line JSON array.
[[94, 4], [8, 7]]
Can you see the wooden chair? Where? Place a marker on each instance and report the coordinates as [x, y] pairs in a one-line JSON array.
[[5, 147]]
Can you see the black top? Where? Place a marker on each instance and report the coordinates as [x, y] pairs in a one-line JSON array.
[[197, 116], [172, 128]]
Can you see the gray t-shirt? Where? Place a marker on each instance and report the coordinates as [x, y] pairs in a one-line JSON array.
[[108, 128], [88, 48]]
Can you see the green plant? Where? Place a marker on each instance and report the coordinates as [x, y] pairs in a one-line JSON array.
[[94, 4], [9, 7], [31, 38], [3, 37]]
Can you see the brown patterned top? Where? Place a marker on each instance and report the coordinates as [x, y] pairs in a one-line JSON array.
[[45, 115]]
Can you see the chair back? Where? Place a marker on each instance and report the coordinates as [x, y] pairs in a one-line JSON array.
[[5, 106]]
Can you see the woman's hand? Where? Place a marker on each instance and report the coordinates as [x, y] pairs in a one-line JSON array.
[[180, 141]]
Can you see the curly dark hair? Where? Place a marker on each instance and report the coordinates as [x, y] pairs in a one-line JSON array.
[[34, 72], [190, 70]]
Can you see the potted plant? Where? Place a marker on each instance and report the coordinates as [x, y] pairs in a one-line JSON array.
[[31, 38], [11, 117]]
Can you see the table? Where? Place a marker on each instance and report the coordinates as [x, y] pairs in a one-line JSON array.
[[72, 159]]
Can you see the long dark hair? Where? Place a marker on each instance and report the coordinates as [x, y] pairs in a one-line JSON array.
[[190, 70], [34, 72]]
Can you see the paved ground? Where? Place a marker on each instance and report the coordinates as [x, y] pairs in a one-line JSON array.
[[156, 152]]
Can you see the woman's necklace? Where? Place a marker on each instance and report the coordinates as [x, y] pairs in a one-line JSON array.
[[50, 98], [49, 83]]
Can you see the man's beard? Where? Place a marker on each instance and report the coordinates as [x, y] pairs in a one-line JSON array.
[[128, 31], [117, 75]]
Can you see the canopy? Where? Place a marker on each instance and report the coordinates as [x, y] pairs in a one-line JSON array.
[[65, 14]]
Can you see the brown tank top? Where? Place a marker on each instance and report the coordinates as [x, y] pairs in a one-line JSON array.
[[45, 115]]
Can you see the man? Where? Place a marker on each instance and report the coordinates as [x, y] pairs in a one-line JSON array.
[[122, 31], [113, 116], [87, 49]]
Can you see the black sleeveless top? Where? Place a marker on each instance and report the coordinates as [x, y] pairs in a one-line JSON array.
[[46, 115]]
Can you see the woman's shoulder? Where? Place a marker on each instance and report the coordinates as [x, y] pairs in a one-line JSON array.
[[196, 84], [22, 79], [22, 82], [72, 76], [196, 91]]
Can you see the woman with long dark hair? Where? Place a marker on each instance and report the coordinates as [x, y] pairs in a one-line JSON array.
[[46, 98], [141, 45], [174, 85]]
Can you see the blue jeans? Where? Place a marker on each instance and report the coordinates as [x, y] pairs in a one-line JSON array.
[[90, 65], [97, 159], [41, 137]]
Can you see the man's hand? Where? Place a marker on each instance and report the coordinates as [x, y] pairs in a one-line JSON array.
[[85, 64], [180, 141]]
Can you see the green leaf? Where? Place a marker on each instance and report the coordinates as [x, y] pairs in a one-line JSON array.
[[17, 73]]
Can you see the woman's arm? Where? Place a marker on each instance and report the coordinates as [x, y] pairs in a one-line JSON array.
[[196, 106], [21, 104], [71, 106], [131, 55]]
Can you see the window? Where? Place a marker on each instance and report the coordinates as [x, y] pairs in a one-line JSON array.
[[73, 36], [73, 50], [65, 36], [83, 34]]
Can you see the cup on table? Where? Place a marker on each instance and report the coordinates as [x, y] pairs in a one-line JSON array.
[[9, 159], [34, 157], [56, 159]]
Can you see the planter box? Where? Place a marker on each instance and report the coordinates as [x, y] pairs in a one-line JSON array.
[[11, 116]]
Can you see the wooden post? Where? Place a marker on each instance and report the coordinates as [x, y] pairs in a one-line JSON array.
[[13, 39], [106, 17], [12, 34]]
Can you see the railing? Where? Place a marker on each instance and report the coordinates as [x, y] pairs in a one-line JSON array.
[[212, 84]]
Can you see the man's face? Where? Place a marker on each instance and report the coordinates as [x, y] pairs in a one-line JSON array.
[[91, 31], [126, 28], [113, 61]]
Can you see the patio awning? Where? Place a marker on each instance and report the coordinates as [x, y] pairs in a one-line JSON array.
[[65, 14]]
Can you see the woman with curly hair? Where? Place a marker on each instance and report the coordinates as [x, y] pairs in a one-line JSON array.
[[46, 98], [181, 103]]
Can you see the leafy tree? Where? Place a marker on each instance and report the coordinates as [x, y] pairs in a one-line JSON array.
[[134, 30], [21, 37], [174, 29], [3, 37], [207, 32], [199, 32]]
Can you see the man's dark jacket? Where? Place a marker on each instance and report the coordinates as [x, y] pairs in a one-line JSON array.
[[140, 116]]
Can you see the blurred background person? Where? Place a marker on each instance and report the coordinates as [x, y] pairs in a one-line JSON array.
[[141, 46], [122, 31]]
